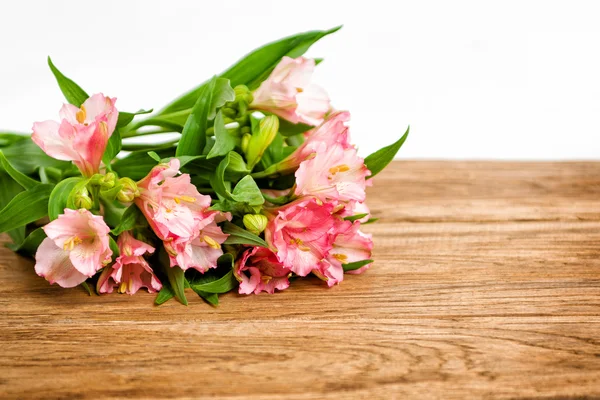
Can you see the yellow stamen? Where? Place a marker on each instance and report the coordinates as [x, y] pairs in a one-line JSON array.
[[339, 168], [71, 243], [211, 242], [177, 200], [188, 199], [266, 279], [123, 287], [127, 251], [130, 284], [341, 257], [299, 90], [80, 115]]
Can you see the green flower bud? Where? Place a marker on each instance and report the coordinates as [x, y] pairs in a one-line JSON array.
[[229, 112], [255, 223], [82, 199], [129, 191], [245, 141], [260, 140], [241, 92], [109, 180]]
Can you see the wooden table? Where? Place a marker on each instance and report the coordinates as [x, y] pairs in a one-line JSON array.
[[486, 285]]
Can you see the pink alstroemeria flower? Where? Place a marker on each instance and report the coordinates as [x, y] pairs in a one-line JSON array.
[[82, 133], [131, 271], [266, 272], [289, 94], [75, 249], [333, 131], [350, 245], [171, 204], [203, 249], [334, 173], [298, 234]]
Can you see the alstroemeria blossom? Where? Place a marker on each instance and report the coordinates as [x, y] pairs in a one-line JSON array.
[[288, 93], [298, 234], [77, 246], [349, 245], [81, 135], [171, 204], [203, 249], [131, 271], [333, 131], [266, 272], [334, 173]]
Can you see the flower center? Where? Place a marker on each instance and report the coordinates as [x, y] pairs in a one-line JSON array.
[[300, 244], [339, 168], [341, 257], [71, 243], [211, 242]]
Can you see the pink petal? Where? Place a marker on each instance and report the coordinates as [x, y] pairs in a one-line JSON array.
[[54, 265]]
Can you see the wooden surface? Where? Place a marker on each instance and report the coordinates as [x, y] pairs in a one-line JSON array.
[[486, 285]]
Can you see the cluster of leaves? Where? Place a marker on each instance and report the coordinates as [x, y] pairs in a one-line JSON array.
[[36, 187]]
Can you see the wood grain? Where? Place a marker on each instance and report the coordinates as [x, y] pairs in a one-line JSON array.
[[486, 285]]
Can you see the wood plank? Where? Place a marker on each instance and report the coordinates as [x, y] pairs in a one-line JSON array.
[[486, 285]]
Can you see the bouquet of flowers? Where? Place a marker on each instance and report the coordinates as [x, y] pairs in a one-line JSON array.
[[259, 186]]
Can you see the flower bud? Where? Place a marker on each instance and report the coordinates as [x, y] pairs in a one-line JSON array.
[[82, 199], [129, 191], [245, 141], [260, 140], [109, 180], [255, 223]]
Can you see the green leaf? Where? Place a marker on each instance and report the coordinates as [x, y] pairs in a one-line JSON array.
[[27, 157], [356, 217], [166, 293], [60, 196], [19, 177], [222, 93], [246, 191], [370, 221], [355, 265], [211, 298], [9, 188], [86, 287], [72, 92], [225, 139], [256, 66], [113, 147], [125, 118], [222, 285], [286, 128], [154, 156], [25, 207], [128, 220], [183, 160], [239, 235], [377, 161], [114, 247], [31, 242], [137, 165], [9, 138], [176, 279], [214, 95], [217, 180]]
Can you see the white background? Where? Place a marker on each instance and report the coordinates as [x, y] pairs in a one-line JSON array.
[[504, 79]]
